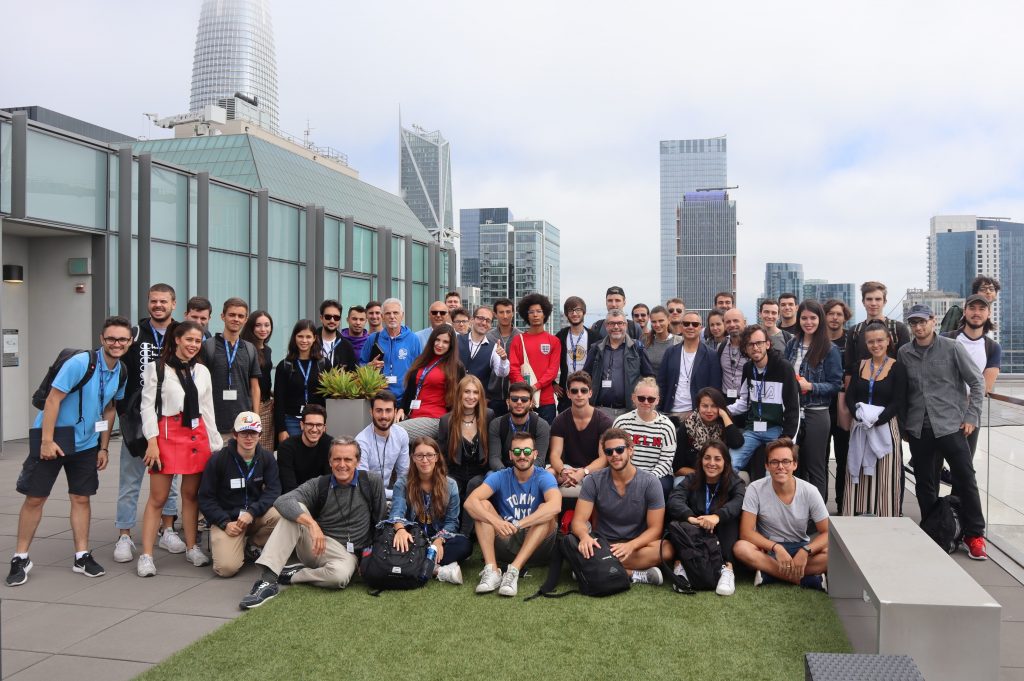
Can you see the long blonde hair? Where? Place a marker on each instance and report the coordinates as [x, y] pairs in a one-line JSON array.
[[459, 413]]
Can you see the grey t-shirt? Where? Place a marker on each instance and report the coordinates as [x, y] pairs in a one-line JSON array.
[[776, 520], [657, 349], [622, 518]]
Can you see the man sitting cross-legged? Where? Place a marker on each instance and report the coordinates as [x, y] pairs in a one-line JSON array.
[[773, 527], [518, 528], [630, 508]]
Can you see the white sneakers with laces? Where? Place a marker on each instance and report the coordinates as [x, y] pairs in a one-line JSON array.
[[124, 549]]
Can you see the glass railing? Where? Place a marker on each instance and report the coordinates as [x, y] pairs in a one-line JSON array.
[[999, 463]]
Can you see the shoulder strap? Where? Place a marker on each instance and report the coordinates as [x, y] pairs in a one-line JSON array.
[[136, 330], [323, 483], [89, 371], [364, 488], [160, 369], [504, 426], [547, 589], [533, 422]]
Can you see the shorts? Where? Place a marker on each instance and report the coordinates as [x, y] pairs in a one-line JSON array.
[[37, 476], [506, 548], [791, 546]]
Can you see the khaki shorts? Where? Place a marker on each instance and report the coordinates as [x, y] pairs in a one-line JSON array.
[[507, 548]]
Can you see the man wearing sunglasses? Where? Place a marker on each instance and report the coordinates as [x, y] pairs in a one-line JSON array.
[[686, 369], [630, 510], [575, 450], [616, 363], [333, 345], [437, 315], [518, 528], [520, 418]]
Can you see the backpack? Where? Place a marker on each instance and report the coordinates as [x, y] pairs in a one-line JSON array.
[[43, 391], [951, 320], [387, 568], [943, 523], [700, 554], [131, 420], [600, 575]]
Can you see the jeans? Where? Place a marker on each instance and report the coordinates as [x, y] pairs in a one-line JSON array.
[[291, 424], [751, 441], [456, 550], [129, 483], [547, 412], [926, 454]]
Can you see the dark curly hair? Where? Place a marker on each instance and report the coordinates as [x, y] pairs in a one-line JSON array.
[[528, 301], [747, 333]]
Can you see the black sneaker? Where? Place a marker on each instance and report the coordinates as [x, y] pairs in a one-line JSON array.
[[20, 567], [261, 593], [287, 572], [87, 566]]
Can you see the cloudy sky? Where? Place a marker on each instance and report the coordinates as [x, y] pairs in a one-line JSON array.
[[848, 127]]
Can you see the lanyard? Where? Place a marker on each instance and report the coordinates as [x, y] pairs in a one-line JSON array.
[[305, 377], [682, 365], [230, 353], [609, 356], [348, 513], [763, 378], [105, 375], [709, 496], [381, 454], [573, 344], [158, 338], [423, 377], [473, 349], [512, 424], [874, 377], [329, 348], [245, 477], [391, 355]]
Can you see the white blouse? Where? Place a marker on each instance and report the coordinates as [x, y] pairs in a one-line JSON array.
[[173, 400]]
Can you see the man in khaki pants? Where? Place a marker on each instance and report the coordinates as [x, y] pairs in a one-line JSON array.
[[327, 521], [237, 494]]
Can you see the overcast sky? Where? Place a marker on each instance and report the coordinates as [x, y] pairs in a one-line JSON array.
[[848, 127]]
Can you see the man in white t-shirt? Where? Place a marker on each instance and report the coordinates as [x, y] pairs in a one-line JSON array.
[[773, 526], [984, 351], [686, 369]]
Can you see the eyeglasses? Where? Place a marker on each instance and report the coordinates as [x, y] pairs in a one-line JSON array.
[[460, 322], [645, 399], [916, 321], [579, 391], [482, 318], [331, 317], [314, 426], [690, 325], [756, 344], [116, 341], [780, 463], [987, 287], [439, 313], [576, 309], [519, 398], [425, 456], [251, 433], [676, 310], [615, 324], [522, 451], [608, 451]]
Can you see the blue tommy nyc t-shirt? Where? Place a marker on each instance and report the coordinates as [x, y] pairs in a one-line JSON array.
[[93, 401], [516, 500]]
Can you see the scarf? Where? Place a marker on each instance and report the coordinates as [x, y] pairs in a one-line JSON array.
[[700, 432], [190, 405]]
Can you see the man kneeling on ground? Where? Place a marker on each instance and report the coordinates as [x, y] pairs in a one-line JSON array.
[[518, 529], [773, 527], [630, 507], [327, 521]]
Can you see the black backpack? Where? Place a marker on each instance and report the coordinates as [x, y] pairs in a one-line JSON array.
[[43, 391], [943, 523], [601, 575], [700, 554], [131, 420], [387, 568]]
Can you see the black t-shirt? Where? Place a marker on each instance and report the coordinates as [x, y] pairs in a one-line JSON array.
[[579, 447], [298, 463]]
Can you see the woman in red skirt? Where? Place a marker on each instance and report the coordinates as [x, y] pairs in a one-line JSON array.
[[182, 434]]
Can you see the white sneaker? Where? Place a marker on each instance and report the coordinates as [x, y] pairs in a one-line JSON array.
[[680, 571], [171, 542], [450, 573], [490, 579], [509, 582], [145, 566], [124, 549], [649, 576], [726, 583], [196, 556]]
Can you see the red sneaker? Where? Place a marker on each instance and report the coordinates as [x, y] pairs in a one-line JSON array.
[[975, 548]]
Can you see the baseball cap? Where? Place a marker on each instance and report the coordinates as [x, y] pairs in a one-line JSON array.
[[920, 312], [248, 420], [977, 298], [615, 290]]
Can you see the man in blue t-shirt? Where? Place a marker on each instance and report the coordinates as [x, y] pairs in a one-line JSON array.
[[73, 431], [516, 513]]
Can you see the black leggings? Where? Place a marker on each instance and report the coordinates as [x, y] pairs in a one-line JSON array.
[[728, 534]]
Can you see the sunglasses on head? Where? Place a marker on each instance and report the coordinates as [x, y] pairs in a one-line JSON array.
[[608, 451], [522, 451], [578, 391], [646, 399], [332, 317]]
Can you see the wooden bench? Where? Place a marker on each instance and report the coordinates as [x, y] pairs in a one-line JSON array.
[[928, 606]]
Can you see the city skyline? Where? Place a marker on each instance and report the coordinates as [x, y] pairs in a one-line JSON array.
[[867, 153]]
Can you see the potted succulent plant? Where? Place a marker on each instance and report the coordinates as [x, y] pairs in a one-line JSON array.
[[348, 394]]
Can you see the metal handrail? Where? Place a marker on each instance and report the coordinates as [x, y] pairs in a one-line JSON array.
[[1006, 398]]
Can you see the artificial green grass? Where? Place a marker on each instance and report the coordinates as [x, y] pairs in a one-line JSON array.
[[448, 632]]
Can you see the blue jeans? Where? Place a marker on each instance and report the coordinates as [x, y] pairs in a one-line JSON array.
[[132, 473], [751, 441], [547, 412], [291, 424]]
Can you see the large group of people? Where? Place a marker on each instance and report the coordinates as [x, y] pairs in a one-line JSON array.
[[505, 437]]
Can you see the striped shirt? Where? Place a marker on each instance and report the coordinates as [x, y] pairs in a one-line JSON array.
[[654, 443]]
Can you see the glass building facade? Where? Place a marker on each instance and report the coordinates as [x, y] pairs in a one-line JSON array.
[[518, 258], [686, 166], [470, 220], [235, 53], [426, 180], [823, 291], [706, 248], [783, 277]]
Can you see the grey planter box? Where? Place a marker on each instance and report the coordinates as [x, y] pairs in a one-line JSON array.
[[347, 417]]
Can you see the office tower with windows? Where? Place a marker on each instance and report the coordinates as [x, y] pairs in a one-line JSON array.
[[521, 257], [235, 54], [706, 252], [470, 220], [823, 291], [686, 166], [783, 277], [426, 179]]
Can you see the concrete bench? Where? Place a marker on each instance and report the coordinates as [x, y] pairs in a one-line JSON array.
[[928, 606], [844, 667]]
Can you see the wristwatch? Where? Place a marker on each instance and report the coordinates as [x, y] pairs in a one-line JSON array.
[[586, 472], [808, 550]]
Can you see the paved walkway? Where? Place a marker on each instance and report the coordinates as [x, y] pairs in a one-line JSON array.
[[64, 625]]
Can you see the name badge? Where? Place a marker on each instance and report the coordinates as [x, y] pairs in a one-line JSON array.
[[230, 395], [195, 423], [731, 392], [237, 483], [392, 380], [101, 426], [415, 404], [760, 426], [606, 383], [350, 547]]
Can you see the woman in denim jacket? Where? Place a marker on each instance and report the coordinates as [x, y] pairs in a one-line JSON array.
[[819, 372], [429, 498]]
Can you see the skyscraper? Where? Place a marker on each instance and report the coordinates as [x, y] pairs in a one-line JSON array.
[[470, 220], [686, 166], [783, 277], [235, 53], [823, 291], [706, 255], [426, 179]]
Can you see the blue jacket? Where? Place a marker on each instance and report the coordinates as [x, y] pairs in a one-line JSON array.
[[399, 354], [706, 372], [401, 511], [826, 378]]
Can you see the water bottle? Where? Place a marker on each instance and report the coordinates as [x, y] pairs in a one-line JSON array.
[[428, 564]]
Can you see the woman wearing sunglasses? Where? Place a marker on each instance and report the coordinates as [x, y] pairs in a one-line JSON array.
[[654, 436], [712, 499], [711, 422], [429, 498]]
